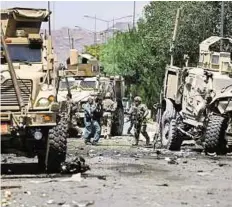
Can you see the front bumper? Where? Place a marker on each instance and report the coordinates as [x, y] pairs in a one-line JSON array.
[[13, 120]]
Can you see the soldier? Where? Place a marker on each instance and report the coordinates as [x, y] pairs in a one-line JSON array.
[[96, 120], [131, 118], [109, 107], [88, 110], [140, 123]]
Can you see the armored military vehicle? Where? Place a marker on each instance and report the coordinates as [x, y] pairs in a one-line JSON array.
[[85, 79], [30, 124], [197, 101]]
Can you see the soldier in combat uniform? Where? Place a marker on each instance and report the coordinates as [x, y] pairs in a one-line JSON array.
[[140, 123], [109, 107], [131, 119]]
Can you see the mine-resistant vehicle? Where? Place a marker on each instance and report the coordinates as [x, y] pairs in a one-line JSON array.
[[85, 80], [30, 124], [196, 102]]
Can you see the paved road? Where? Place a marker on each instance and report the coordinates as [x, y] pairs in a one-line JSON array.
[[121, 175]]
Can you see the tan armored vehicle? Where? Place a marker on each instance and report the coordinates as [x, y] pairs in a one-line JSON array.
[[83, 73], [30, 124], [197, 101]]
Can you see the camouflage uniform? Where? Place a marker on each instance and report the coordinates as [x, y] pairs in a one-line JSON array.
[[109, 107], [131, 119], [140, 122]]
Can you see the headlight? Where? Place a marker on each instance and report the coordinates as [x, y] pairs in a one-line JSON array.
[[43, 102], [83, 105], [51, 98]]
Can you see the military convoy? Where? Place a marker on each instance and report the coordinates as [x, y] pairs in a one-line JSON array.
[[196, 102], [30, 121], [82, 78]]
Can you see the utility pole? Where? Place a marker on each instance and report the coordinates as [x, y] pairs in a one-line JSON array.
[[134, 16], [174, 35], [49, 20], [222, 24], [95, 30], [69, 39], [72, 42], [107, 21]]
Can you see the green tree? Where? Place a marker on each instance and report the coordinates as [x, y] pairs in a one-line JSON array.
[[93, 50], [142, 54]]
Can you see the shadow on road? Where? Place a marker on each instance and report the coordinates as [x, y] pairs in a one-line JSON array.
[[20, 168]]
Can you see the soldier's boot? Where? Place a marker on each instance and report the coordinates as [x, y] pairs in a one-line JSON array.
[[148, 142], [105, 133], [136, 143], [145, 134]]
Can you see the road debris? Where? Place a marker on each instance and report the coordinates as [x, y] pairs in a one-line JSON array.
[[66, 205], [50, 201], [165, 185], [77, 165], [101, 177], [172, 160], [5, 202], [73, 178], [222, 164], [27, 192], [204, 174], [3, 187], [7, 194], [83, 203]]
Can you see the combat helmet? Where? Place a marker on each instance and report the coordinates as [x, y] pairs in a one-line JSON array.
[[138, 99], [108, 95]]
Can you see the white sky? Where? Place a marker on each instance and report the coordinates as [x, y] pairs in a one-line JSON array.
[[70, 13]]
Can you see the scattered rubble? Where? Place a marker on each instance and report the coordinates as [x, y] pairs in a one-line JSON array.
[[165, 185], [172, 160], [83, 203], [77, 165], [50, 201]]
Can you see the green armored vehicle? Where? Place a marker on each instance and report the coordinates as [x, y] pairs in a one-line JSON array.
[[30, 121]]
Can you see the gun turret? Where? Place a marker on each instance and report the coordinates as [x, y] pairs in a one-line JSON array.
[[218, 61]]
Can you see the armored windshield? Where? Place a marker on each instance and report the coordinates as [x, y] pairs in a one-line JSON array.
[[24, 53], [63, 85], [88, 84]]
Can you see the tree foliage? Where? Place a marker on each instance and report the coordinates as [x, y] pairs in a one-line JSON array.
[[93, 50], [141, 54]]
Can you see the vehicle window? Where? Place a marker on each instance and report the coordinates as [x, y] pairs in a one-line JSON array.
[[24, 53], [88, 84], [63, 84]]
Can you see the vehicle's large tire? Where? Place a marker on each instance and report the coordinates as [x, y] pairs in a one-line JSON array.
[[174, 139], [214, 139], [118, 121], [170, 111], [169, 135], [56, 147]]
